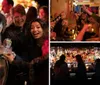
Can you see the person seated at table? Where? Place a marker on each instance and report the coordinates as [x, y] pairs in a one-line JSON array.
[[82, 32], [96, 17], [95, 26], [83, 18], [85, 34]]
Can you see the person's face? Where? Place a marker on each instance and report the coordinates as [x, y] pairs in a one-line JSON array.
[[65, 23], [19, 19], [42, 14], [36, 30], [5, 6], [84, 16], [63, 15], [91, 19]]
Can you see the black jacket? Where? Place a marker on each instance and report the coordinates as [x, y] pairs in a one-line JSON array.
[[18, 37]]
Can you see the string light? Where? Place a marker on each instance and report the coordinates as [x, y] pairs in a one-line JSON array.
[[26, 3]]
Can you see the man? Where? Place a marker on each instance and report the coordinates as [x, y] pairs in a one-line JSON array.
[[6, 8], [16, 32], [61, 71]]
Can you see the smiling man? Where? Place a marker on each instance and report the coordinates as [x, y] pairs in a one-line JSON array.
[[16, 32]]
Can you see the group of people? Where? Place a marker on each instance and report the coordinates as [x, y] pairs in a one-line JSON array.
[[82, 26], [94, 23], [60, 74], [28, 32]]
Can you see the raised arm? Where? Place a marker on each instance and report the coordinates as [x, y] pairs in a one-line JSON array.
[[82, 32], [96, 17], [86, 10]]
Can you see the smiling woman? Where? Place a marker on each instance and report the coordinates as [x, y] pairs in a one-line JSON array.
[[39, 32], [36, 30], [37, 67]]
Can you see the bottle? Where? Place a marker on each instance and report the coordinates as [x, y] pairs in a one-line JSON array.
[[7, 45]]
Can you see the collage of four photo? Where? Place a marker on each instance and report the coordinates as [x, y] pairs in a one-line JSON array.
[[49, 42]]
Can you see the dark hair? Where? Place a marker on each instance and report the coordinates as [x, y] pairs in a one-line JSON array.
[[43, 25], [10, 2], [79, 58], [45, 8], [62, 57], [97, 60], [31, 14], [3, 20], [19, 8]]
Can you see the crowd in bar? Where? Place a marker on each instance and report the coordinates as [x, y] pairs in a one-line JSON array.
[[78, 26], [74, 61], [24, 43]]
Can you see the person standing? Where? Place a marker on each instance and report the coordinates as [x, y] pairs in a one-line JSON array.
[[61, 71], [6, 8], [16, 32], [81, 69], [38, 66]]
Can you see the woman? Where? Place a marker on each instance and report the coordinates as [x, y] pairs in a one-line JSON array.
[[81, 69], [96, 75], [38, 67], [40, 34]]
